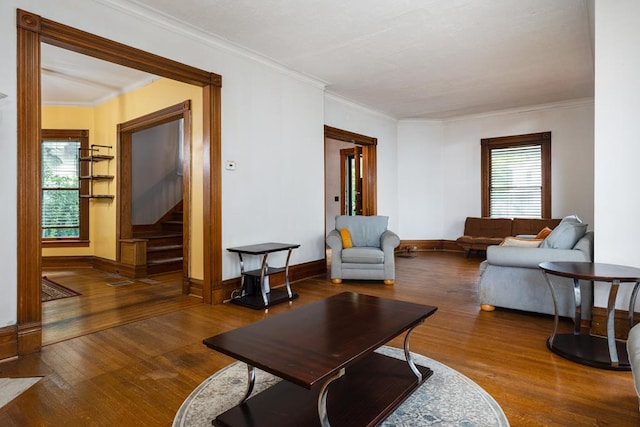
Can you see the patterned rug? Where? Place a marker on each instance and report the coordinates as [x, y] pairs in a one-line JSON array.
[[53, 291], [448, 398]]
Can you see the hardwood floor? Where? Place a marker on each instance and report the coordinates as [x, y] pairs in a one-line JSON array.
[[137, 371]]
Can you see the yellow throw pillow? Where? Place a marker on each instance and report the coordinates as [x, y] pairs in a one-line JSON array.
[[346, 238], [517, 241]]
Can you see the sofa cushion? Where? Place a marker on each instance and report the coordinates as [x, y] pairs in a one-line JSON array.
[[363, 255], [523, 243], [364, 230], [566, 234]]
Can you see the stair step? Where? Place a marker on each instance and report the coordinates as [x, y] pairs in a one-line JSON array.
[[164, 261], [163, 248], [164, 265]]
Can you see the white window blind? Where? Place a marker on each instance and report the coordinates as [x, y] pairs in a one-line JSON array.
[[60, 189], [516, 182]]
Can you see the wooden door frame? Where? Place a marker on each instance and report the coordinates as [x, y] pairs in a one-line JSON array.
[[32, 30], [124, 229], [369, 165]]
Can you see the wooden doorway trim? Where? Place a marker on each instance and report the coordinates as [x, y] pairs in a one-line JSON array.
[[33, 30], [125, 175], [369, 165]]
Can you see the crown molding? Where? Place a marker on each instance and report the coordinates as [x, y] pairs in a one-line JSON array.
[[353, 104], [519, 110], [168, 22]]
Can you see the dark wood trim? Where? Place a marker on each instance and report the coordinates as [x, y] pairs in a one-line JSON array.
[[31, 31], [621, 322], [369, 165], [195, 287], [8, 342], [126, 130], [64, 243], [541, 138], [345, 135], [63, 262], [29, 228], [212, 167], [430, 245], [83, 136]]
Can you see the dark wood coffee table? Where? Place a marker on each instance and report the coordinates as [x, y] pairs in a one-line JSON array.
[[325, 353]]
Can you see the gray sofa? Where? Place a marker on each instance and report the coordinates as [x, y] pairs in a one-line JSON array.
[[372, 255], [510, 277]]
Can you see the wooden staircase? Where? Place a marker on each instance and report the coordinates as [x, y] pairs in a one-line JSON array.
[[164, 242]]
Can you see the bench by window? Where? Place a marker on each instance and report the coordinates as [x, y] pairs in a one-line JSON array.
[[516, 176]]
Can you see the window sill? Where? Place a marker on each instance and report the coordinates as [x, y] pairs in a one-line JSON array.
[[53, 243]]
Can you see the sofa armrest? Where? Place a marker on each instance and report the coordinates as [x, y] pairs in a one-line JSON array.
[[514, 256], [334, 240], [389, 241]]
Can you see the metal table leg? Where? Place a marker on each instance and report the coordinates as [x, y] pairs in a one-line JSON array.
[[611, 331], [322, 399], [407, 354]]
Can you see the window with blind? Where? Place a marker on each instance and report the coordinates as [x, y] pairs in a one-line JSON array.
[[65, 214], [516, 176]]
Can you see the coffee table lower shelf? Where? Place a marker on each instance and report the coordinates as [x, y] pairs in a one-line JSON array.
[[368, 393]]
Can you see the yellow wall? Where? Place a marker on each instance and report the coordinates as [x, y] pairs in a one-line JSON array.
[[101, 121]]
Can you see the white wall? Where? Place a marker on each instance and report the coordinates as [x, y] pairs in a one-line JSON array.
[[617, 139], [8, 170], [345, 115], [439, 170], [421, 177]]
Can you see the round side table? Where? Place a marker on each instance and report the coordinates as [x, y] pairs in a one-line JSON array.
[[581, 347]]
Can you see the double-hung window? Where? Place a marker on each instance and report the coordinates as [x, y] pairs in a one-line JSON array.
[[516, 176], [65, 213]]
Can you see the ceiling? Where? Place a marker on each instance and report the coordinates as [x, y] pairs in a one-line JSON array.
[[429, 59]]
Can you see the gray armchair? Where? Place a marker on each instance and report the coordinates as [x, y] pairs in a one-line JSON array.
[[372, 255]]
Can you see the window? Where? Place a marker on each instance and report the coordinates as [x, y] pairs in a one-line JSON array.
[[516, 176], [65, 214]]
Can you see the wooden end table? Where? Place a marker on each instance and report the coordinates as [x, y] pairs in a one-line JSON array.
[[598, 352], [324, 352], [264, 296]]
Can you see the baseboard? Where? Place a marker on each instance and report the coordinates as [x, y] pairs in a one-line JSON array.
[[430, 245], [29, 338], [621, 322], [8, 342], [62, 262], [194, 287]]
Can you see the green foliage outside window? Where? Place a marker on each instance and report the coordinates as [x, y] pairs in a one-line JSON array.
[[60, 189]]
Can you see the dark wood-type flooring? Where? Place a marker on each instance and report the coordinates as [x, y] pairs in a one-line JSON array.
[[130, 355]]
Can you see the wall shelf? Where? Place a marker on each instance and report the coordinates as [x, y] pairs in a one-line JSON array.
[[93, 156]]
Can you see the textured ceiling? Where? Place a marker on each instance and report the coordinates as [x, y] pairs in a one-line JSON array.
[[413, 58]]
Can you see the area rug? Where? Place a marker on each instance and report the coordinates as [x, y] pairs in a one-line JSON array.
[[53, 291], [10, 388], [448, 398]]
